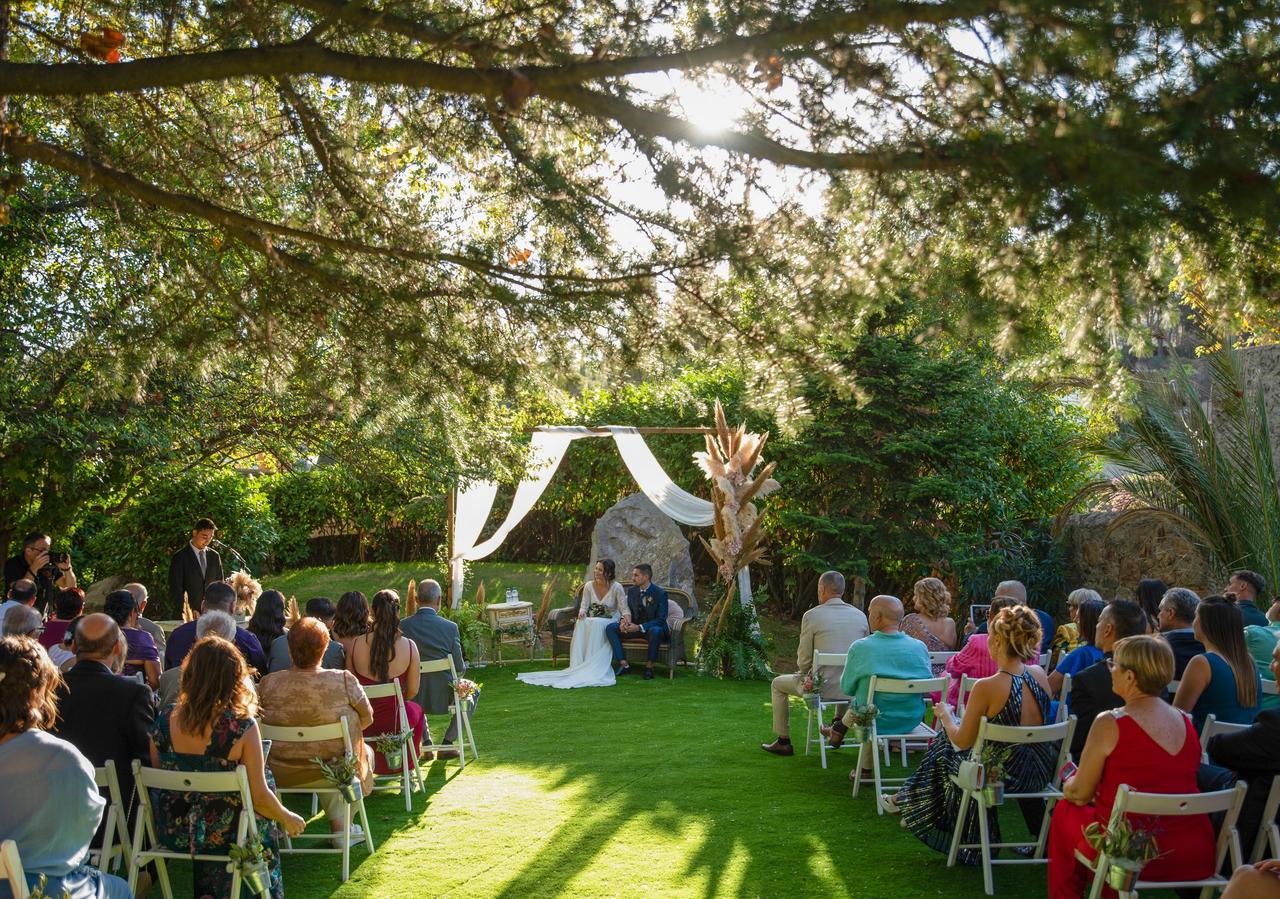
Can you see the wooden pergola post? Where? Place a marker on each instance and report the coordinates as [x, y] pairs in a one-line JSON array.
[[454, 600]]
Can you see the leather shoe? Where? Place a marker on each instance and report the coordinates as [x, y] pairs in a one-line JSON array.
[[777, 747], [447, 754], [625, 669], [648, 674], [834, 735]]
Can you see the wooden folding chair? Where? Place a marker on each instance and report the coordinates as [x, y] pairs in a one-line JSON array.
[[117, 823], [812, 733], [11, 869], [335, 731], [456, 707], [146, 845], [1021, 735], [1129, 802], [410, 776], [879, 685]]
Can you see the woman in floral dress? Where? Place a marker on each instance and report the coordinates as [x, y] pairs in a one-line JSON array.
[[211, 728]]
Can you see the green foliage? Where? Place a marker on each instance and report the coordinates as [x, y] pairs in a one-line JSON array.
[[474, 629], [738, 649], [139, 541], [933, 464]]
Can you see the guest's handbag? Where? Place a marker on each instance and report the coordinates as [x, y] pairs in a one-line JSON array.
[[971, 775]]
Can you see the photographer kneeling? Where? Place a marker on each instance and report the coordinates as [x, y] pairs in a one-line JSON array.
[[49, 572]]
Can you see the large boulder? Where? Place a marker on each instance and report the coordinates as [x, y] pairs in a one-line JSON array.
[[95, 596], [634, 530]]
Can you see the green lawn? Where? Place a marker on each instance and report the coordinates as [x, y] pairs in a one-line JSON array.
[[370, 577]]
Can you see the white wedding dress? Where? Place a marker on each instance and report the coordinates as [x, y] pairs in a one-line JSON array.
[[590, 657]]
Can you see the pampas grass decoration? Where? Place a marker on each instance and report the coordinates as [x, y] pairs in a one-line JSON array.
[[293, 616], [411, 598], [480, 595], [187, 614], [545, 606]]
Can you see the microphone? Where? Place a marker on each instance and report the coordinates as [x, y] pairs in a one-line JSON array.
[[244, 566]]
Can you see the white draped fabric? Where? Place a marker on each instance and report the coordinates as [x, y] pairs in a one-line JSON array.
[[546, 449]]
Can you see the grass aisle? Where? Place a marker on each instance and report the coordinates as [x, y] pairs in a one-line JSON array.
[[650, 788]]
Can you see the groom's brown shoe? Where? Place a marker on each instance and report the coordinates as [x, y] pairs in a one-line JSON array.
[[777, 747]]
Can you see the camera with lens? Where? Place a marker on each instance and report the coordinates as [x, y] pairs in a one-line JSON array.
[[56, 559]]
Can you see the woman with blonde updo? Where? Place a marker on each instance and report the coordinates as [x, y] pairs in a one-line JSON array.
[[930, 622], [1017, 694]]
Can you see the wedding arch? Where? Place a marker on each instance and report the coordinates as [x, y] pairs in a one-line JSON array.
[[469, 507]]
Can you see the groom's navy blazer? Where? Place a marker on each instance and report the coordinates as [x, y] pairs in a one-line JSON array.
[[649, 604]]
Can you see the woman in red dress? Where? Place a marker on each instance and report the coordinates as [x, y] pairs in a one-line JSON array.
[[379, 656], [1152, 747]]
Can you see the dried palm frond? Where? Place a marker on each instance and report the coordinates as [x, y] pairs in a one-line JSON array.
[[411, 598], [293, 616], [545, 606]]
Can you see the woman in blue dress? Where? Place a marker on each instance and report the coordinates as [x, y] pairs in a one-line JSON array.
[[1223, 682], [211, 728], [1016, 694]]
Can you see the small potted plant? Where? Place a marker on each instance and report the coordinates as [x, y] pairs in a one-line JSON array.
[[341, 772], [250, 860], [863, 715], [392, 748], [993, 770], [1128, 849], [811, 688]]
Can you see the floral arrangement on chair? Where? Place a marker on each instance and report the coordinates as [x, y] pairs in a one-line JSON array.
[[341, 772], [391, 746], [1128, 848], [247, 592], [812, 685], [465, 689], [251, 861]]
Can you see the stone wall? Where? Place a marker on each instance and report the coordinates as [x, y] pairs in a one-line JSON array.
[[1113, 563]]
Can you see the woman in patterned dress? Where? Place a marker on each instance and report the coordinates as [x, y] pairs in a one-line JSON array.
[[931, 623], [1015, 695], [211, 728]]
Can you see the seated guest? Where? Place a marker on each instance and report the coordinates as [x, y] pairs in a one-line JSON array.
[[1067, 636], [1091, 692], [1148, 745], [307, 695], [1246, 589], [1017, 591], [322, 610], [22, 621], [1015, 695], [212, 729], [1084, 655], [63, 655], [67, 606], [885, 652], [381, 655], [210, 624], [21, 592], [645, 616], [931, 623], [218, 597], [831, 626], [1223, 682], [139, 592], [1176, 617], [143, 658], [1261, 641], [105, 716], [1148, 594], [974, 660], [268, 620], [1254, 756], [436, 637], [1260, 881], [51, 805], [350, 620]]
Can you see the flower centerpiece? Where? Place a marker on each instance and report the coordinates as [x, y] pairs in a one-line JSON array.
[[1128, 849], [341, 772], [465, 689], [863, 715], [250, 859], [392, 748], [811, 687]]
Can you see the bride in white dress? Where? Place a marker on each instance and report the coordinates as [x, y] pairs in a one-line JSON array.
[[590, 658]]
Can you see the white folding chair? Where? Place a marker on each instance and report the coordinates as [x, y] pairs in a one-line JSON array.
[[1269, 688], [966, 687], [812, 728], [1268, 831], [1173, 687], [1022, 735], [1212, 726], [11, 869], [1043, 661], [1168, 805], [881, 685], [117, 823], [410, 776], [1064, 695], [941, 658], [279, 735], [147, 847], [461, 709]]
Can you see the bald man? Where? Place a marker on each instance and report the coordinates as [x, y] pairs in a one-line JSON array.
[[1018, 591], [103, 715], [885, 652]]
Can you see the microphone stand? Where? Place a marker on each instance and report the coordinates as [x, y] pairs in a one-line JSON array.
[[244, 566]]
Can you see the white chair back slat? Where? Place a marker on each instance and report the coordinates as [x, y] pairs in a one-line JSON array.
[[941, 658], [1269, 687], [1064, 698], [313, 734], [966, 687], [895, 685], [12, 871]]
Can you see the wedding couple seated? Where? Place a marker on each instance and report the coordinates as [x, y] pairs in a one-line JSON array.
[[608, 616]]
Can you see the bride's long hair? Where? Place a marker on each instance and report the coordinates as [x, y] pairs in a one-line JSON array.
[[610, 569]]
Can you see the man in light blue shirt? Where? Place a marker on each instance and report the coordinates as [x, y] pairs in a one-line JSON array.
[[885, 652]]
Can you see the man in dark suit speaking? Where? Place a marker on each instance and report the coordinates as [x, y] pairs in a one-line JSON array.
[[194, 567]]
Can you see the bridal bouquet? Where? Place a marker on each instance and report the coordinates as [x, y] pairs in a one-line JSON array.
[[466, 688], [599, 610]]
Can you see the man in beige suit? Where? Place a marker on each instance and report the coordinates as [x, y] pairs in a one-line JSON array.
[[830, 626]]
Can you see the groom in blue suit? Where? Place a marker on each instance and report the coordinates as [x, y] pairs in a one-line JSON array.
[[646, 614]]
